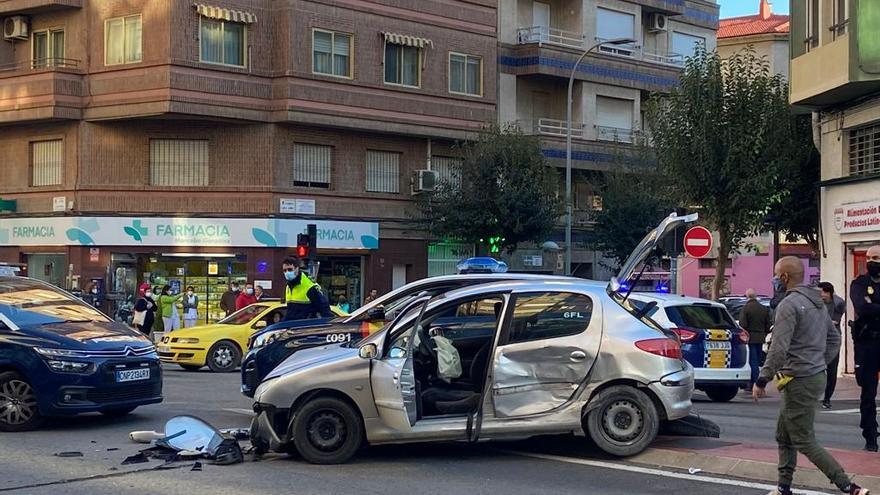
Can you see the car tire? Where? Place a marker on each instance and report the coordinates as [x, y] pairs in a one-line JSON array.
[[224, 357], [118, 413], [327, 430], [722, 393], [190, 367], [622, 420], [24, 413]]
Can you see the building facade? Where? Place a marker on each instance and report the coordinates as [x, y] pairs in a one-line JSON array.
[[835, 73], [188, 143], [539, 43]]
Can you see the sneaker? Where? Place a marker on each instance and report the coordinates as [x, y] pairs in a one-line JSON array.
[[826, 404], [855, 489], [781, 491]]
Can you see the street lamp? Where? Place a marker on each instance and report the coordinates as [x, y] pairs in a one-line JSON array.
[[568, 206]]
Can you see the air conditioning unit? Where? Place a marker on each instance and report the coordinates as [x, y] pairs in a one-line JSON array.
[[15, 28], [657, 23], [424, 181]]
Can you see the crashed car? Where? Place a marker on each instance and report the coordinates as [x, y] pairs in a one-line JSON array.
[[523, 358]]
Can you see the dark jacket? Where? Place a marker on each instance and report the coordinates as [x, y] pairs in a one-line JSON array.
[[755, 318], [227, 302], [865, 295], [146, 304], [836, 309], [319, 303]]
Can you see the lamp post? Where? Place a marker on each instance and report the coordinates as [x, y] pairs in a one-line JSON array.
[[568, 205]]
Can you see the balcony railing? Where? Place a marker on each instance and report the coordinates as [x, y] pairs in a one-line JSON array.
[[673, 59], [40, 64], [616, 134], [557, 37], [550, 36], [558, 128]]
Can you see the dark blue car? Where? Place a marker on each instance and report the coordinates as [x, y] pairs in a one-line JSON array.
[[59, 357]]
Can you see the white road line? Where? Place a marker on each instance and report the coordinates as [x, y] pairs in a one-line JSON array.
[[246, 412], [845, 411], [657, 472]]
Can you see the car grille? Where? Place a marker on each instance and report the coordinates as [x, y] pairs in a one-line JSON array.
[[126, 352], [124, 393]]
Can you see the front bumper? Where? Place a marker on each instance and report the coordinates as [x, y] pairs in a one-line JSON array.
[[250, 377], [269, 429], [182, 354]]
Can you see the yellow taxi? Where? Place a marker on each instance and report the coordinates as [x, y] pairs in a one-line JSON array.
[[219, 346]]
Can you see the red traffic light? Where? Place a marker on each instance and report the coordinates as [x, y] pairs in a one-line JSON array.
[[302, 251], [303, 242]]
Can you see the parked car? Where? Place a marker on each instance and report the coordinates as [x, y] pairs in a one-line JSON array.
[[60, 356], [270, 347], [507, 359], [219, 346], [711, 341]]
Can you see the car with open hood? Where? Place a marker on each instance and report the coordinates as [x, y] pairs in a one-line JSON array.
[[60, 357], [505, 359]]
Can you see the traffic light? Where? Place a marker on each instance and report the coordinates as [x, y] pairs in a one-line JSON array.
[[494, 244], [303, 245]]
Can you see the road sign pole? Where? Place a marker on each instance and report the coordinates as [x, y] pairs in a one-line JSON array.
[[673, 275]]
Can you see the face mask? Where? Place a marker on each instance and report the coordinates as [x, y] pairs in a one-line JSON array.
[[235, 289], [94, 291], [874, 269], [189, 293], [778, 286], [290, 276], [148, 294], [250, 292]]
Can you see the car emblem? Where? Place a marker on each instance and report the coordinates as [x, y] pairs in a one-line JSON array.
[[128, 351]]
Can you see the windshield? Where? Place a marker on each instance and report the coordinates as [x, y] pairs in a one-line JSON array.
[[29, 303], [244, 315], [702, 317]]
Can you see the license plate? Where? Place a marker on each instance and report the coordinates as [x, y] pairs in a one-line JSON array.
[[163, 348], [133, 375], [718, 346]]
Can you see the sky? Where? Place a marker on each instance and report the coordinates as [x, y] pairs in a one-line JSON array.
[[734, 8]]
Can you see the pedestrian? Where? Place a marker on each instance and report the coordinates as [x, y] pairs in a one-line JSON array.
[[168, 303], [246, 298], [92, 297], [159, 323], [836, 307], [342, 303], [755, 319], [190, 308], [372, 297], [144, 311], [865, 293], [804, 342], [258, 292], [303, 297], [227, 300]]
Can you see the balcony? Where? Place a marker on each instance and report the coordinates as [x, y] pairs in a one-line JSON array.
[[41, 89], [550, 36], [555, 128], [35, 6], [610, 149], [615, 134]]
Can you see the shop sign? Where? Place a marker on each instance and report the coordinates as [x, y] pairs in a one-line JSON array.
[[59, 203], [94, 254], [857, 217], [297, 206], [171, 231], [533, 260]]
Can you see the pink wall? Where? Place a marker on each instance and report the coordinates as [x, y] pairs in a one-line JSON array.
[[748, 272]]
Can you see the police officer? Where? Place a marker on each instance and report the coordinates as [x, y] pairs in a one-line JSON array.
[[302, 296], [865, 293]]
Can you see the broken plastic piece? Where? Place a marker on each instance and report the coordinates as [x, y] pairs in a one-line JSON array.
[[694, 470], [145, 436], [111, 449], [237, 433], [69, 454], [139, 458], [197, 467]]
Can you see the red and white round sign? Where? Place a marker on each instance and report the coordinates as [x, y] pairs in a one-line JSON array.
[[698, 242]]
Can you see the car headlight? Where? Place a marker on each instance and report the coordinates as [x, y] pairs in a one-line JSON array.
[[266, 338], [69, 366], [50, 352], [187, 341]]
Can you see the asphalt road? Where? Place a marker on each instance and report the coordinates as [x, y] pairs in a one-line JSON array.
[[28, 464]]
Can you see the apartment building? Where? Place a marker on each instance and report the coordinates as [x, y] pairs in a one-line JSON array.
[[188, 143], [835, 73], [539, 43]]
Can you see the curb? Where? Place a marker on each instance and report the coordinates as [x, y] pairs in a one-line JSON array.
[[805, 477]]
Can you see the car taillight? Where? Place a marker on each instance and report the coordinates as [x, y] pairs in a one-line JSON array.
[[743, 336], [661, 347], [686, 335]]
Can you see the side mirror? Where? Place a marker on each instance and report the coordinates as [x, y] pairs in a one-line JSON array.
[[376, 314], [369, 351], [261, 324]]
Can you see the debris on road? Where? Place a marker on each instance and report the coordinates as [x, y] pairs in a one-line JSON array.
[[197, 467], [694, 470], [691, 426], [145, 436], [188, 437], [69, 454], [138, 458]]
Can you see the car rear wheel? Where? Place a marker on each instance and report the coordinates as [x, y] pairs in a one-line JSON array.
[[623, 422], [722, 393], [18, 403], [118, 413], [224, 357], [327, 430], [191, 367]]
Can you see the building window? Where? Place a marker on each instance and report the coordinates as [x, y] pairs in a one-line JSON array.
[[448, 169], [465, 74], [331, 53], [48, 49], [612, 25], [685, 45], [864, 151], [123, 40], [222, 42], [179, 162], [841, 18], [813, 16], [402, 65], [614, 119], [383, 171], [47, 162], [311, 165]]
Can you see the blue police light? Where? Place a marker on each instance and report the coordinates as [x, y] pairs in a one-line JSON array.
[[662, 287], [482, 265]]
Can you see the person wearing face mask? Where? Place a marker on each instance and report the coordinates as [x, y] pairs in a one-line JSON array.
[[168, 302], [227, 300], [190, 308], [303, 297], [92, 296], [246, 298], [865, 294], [145, 311]]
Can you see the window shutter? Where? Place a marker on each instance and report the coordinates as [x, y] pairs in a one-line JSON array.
[[179, 162], [864, 151], [311, 165], [383, 171], [47, 158], [446, 168]]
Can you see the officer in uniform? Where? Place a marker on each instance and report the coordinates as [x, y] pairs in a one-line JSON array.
[[303, 297], [865, 293]]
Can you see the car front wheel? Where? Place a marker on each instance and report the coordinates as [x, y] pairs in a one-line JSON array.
[[623, 422], [327, 430], [224, 357], [18, 403]]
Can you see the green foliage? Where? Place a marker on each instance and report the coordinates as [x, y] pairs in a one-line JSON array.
[[795, 209], [502, 190]]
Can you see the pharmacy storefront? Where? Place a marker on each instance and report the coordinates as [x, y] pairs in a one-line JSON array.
[[117, 254]]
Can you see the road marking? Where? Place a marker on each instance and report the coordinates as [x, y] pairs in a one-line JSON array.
[[246, 412], [845, 411], [657, 472]]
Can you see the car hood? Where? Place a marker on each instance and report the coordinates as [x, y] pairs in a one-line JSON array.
[[93, 335], [311, 357]]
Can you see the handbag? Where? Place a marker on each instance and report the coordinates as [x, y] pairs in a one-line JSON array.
[[139, 317]]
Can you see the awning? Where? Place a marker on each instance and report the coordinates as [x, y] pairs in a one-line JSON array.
[[404, 39], [225, 14]]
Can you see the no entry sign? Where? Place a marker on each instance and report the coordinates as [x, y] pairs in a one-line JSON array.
[[698, 242]]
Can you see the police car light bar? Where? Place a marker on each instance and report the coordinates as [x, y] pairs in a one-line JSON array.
[[481, 265]]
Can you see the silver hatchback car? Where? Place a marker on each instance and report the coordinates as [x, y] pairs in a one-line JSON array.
[[509, 359]]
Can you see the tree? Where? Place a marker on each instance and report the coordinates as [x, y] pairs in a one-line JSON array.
[[503, 188], [722, 139]]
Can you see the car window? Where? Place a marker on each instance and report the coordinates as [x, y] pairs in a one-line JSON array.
[[244, 315], [549, 315], [700, 316], [26, 303], [392, 306], [274, 317]]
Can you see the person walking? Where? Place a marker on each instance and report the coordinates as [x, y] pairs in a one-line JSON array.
[[227, 300], [836, 307], [145, 311], [168, 302], [804, 342], [246, 298], [190, 308], [303, 297], [755, 319], [865, 294]]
